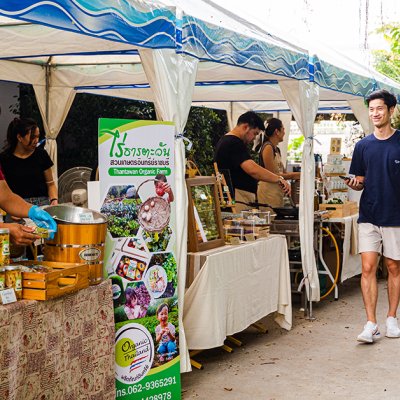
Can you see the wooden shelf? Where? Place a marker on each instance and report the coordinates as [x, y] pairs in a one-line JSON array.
[[330, 174]]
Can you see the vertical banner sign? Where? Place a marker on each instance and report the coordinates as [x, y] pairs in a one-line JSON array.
[[136, 167]]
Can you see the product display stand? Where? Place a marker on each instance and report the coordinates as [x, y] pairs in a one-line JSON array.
[[225, 197], [260, 327], [193, 353], [235, 341], [194, 363]]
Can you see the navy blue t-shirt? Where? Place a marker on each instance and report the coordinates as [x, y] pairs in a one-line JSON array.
[[379, 162]]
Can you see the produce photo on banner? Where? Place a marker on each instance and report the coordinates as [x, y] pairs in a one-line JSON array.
[[136, 172]]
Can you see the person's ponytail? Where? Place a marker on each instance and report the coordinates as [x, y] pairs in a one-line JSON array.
[[271, 125]]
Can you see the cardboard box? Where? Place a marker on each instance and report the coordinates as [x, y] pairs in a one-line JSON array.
[[354, 208], [339, 210]]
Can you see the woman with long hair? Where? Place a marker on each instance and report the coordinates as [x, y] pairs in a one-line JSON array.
[[270, 159], [27, 167]]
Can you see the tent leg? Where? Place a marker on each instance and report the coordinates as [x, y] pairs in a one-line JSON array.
[[308, 312]]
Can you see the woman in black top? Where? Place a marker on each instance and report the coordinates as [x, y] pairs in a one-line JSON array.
[[26, 167]]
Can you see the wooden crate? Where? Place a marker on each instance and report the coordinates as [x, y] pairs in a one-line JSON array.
[[354, 208], [338, 210], [65, 278]]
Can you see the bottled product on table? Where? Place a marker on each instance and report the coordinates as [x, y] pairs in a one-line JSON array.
[[2, 278], [13, 279], [4, 246]]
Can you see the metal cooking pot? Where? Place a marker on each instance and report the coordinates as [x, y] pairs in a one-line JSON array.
[[73, 215], [79, 239], [286, 212]]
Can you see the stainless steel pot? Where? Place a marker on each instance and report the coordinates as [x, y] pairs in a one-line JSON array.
[[64, 214]]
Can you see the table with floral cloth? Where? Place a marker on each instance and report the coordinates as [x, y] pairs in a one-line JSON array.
[[59, 349]]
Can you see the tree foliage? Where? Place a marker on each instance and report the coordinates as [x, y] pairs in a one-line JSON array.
[[204, 128], [77, 140], [388, 62]]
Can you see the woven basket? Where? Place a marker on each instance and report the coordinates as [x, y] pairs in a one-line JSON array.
[[191, 169], [160, 211]]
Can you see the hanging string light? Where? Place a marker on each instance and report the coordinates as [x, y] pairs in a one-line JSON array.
[[360, 21], [366, 25], [307, 11], [363, 14]]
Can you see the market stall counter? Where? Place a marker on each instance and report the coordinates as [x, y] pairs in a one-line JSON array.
[[59, 349], [236, 287]]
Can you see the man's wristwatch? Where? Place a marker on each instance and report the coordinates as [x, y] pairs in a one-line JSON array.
[[281, 178]]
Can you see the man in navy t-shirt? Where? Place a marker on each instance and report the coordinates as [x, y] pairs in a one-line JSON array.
[[376, 166]]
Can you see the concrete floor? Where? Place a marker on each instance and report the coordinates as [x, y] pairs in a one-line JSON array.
[[315, 360]]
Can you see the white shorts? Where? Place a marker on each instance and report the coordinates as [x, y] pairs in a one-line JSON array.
[[374, 238]]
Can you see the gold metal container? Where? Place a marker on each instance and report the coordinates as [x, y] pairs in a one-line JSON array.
[[77, 239]]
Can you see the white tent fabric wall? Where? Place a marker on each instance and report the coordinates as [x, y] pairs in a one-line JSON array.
[[303, 99], [171, 75], [361, 113], [54, 104]]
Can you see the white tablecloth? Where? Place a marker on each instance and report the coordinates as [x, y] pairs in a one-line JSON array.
[[351, 262], [235, 288]]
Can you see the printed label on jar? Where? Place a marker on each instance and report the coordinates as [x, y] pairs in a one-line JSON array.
[[90, 254], [18, 283], [6, 248]]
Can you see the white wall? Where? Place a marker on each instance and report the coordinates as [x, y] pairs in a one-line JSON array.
[[9, 93], [323, 132]]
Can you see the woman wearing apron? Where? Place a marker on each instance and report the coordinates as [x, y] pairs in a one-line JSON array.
[[270, 158]]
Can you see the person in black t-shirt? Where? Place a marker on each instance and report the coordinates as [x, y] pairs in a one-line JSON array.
[[233, 155], [26, 167]]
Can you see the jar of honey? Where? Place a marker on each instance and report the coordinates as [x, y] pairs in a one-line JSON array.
[[13, 279], [4, 246]]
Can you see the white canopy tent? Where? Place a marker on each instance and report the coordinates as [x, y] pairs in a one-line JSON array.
[[174, 53]]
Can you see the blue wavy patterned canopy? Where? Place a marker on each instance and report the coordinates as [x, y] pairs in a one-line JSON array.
[[211, 42], [118, 20], [151, 24]]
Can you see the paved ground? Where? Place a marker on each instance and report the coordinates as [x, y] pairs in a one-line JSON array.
[[315, 360]]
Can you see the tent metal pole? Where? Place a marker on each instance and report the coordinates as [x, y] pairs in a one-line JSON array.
[[48, 76], [308, 312]]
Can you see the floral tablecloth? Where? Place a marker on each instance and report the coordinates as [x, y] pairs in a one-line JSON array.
[[59, 349]]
